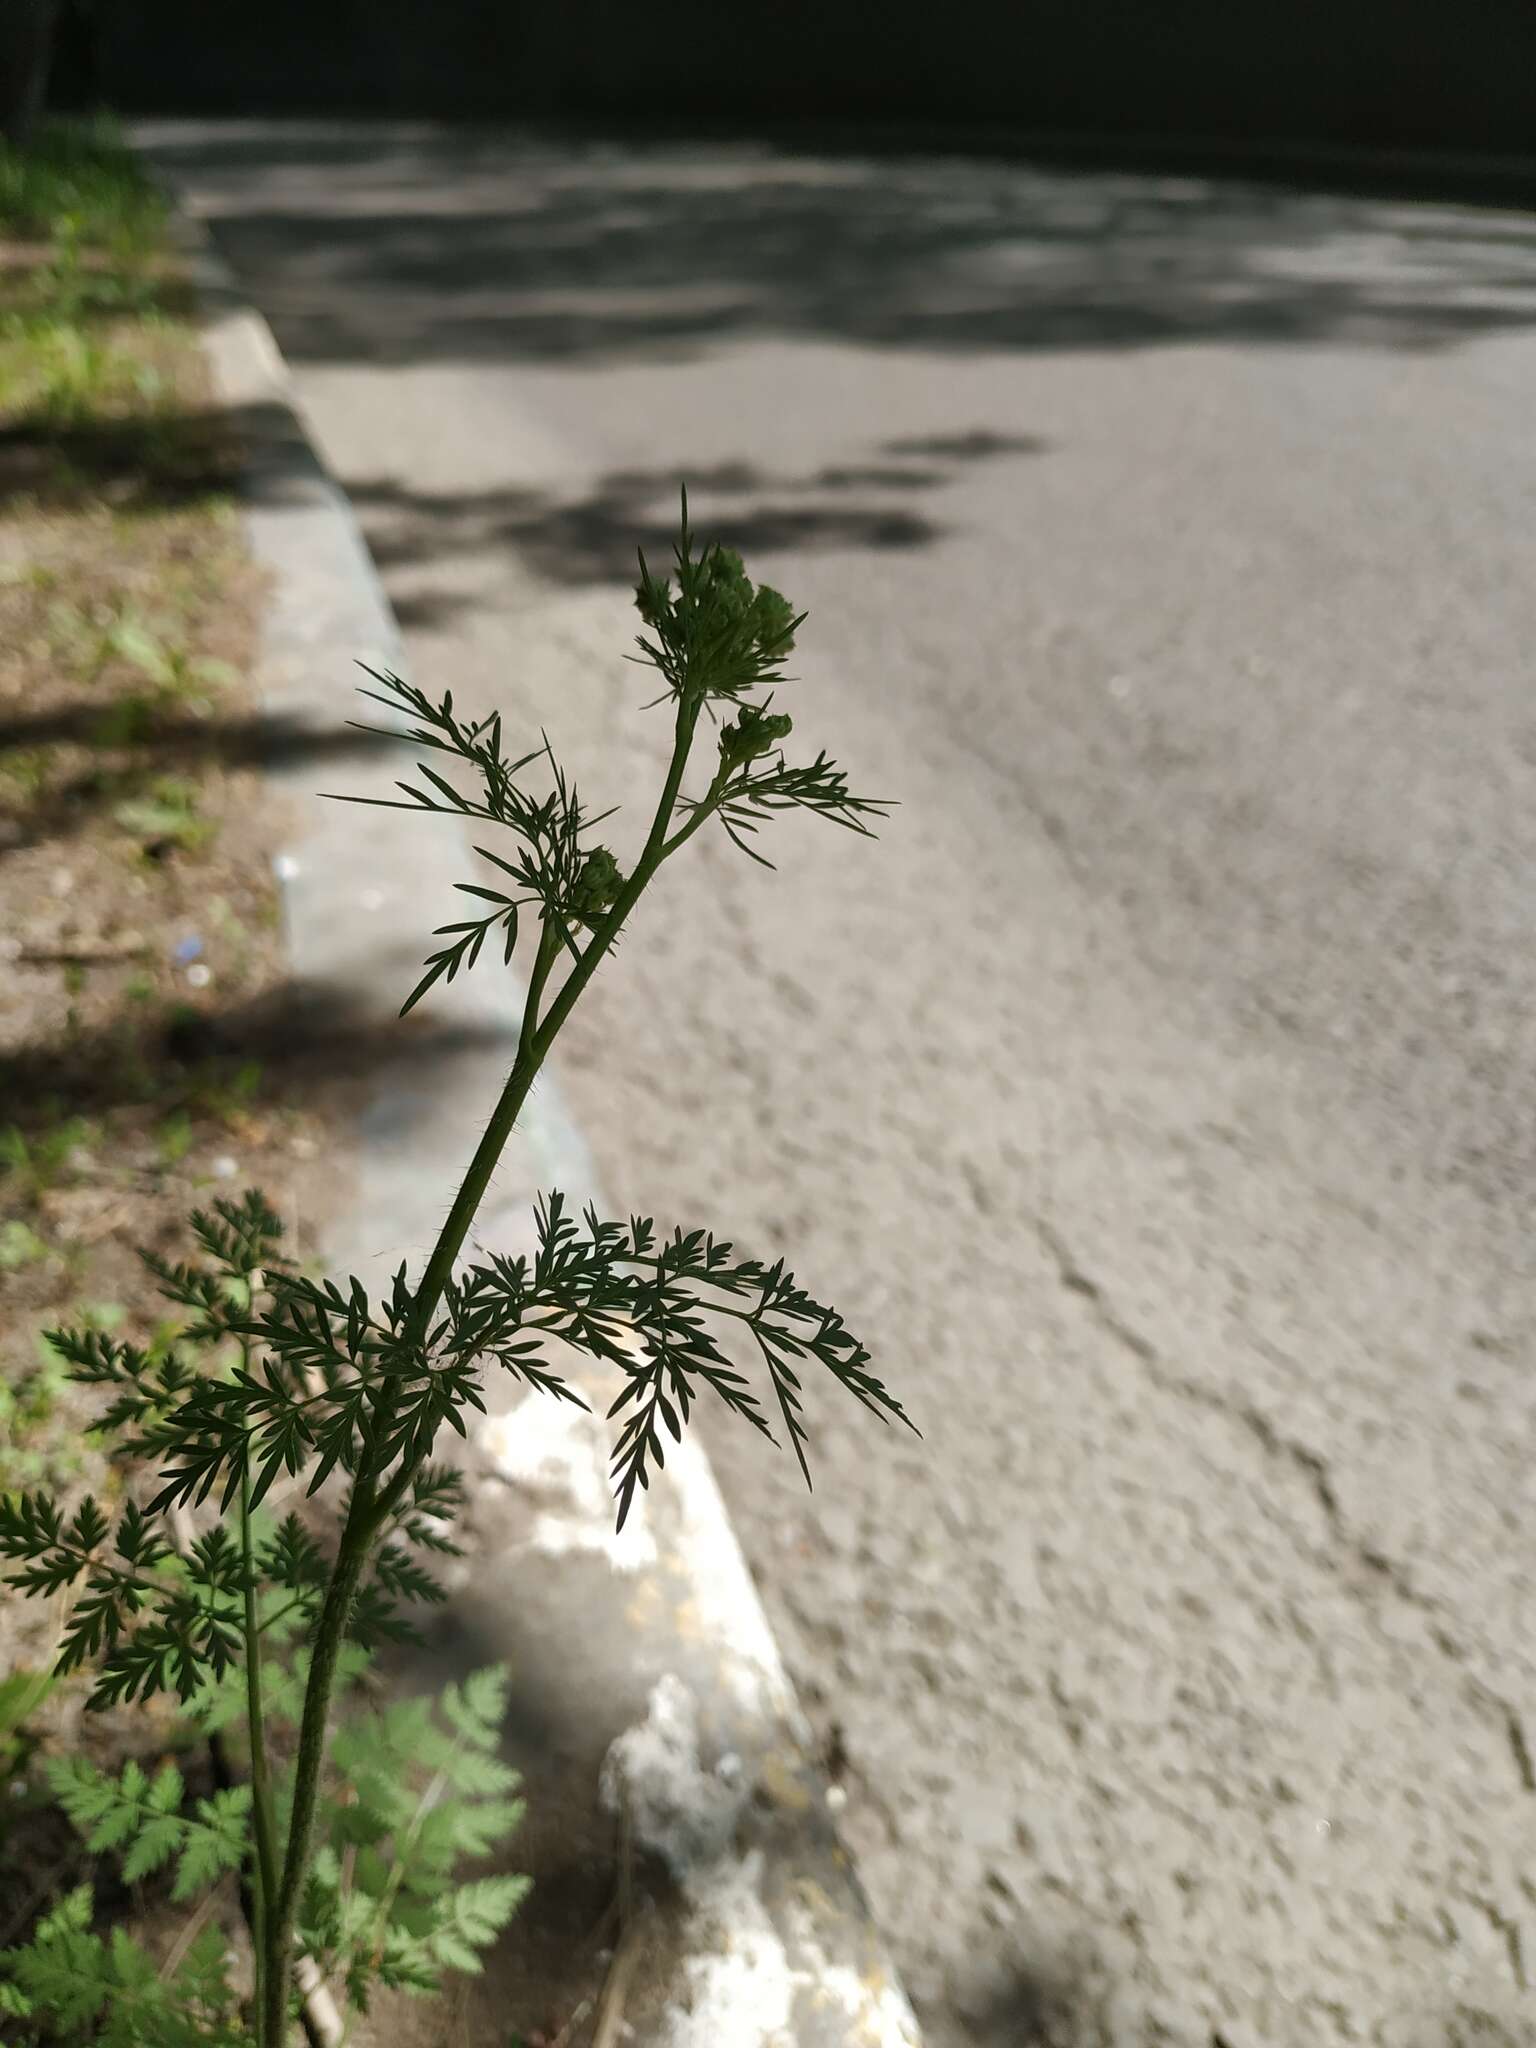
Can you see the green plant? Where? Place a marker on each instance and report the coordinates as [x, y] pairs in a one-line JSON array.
[[175, 1138], [166, 815], [413, 1791], [63, 376], [225, 1092], [20, 1246], [280, 1377], [20, 1697], [175, 673], [82, 172], [110, 1992], [29, 770], [33, 1164], [34, 1448]]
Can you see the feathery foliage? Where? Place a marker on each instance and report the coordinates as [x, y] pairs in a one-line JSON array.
[[282, 1389], [414, 1791]]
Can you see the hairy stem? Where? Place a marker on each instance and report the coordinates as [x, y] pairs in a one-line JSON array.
[[330, 1630]]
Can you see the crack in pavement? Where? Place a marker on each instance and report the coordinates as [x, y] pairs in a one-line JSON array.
[[1508, 1930], [1373, 1567]]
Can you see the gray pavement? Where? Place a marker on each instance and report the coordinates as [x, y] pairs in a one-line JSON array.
[[1156, 1096]]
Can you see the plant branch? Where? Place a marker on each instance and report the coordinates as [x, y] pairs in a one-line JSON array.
[[372, 1505]]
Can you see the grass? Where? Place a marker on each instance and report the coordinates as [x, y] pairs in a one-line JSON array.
[[31, 1165], [80, 179], [34, 1450], [137, 908], [136, 896], [138, 914]]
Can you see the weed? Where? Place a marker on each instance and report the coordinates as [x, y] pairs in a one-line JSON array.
[[175, 1138], [328, 1380], [31, 1165], [20, 1246], [61, 376], [29, 770], [217, 1091], [21, 1695], [32, 1451], [166, 817], [175, 673], [84, 173]]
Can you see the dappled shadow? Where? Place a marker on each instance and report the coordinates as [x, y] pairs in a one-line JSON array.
[[137, 464], [978, 445], [1074, 1996], [179, 739], [593, 539], [310, 1042], [155, 458], [1024, 1998], [128, 744], [416, 244]]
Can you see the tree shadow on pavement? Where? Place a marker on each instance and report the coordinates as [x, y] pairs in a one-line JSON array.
[[1069, 2003], [423, 245], [1022, 1992], [594, 538]]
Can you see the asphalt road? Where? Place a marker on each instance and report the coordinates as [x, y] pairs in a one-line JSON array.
[[1156, 1096]]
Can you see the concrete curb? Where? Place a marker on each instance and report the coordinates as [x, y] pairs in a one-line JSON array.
[[651, 1707]]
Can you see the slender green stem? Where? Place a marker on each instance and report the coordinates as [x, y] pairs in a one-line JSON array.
[[707, 805], [651, 858], [550, 942], [281, 1615], [330, 1631], [384, 1905], [372, 1504], [533, 1049]]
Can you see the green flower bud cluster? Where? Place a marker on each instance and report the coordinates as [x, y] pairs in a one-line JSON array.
[[759, 611], [753, 731], [721, 630], [596, 887]]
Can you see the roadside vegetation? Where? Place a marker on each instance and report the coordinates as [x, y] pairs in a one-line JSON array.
[[222, 1490]]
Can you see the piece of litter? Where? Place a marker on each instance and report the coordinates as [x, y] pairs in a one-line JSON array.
[[225, 1167], [199, 976], [288, 869], [837, 1798], [189, 948]]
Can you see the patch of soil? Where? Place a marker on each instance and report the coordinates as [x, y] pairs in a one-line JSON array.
[[139, 936]]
